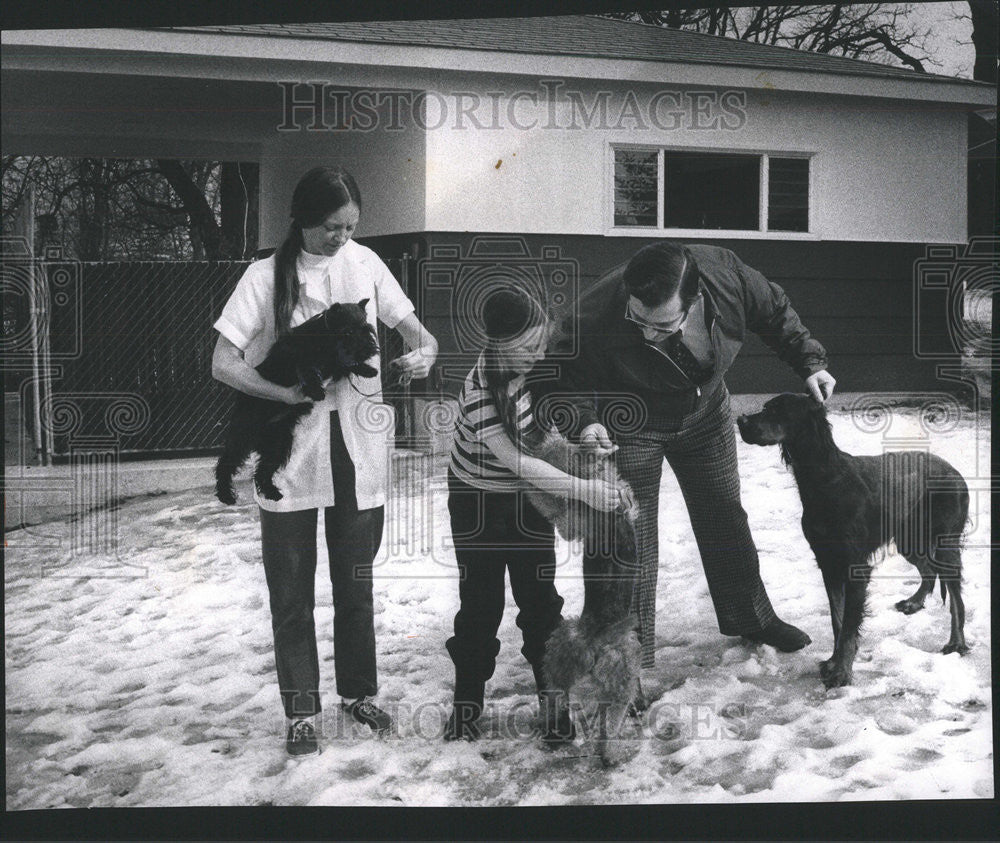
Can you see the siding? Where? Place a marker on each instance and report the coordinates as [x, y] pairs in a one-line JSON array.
[[858, 299]]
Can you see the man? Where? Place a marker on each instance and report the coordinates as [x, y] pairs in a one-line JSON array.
[[664, 329]]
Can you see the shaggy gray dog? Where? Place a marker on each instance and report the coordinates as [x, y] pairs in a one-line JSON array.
[[602, 643]]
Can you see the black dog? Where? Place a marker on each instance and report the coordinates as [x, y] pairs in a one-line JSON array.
[[601, 643], [853, 506], [330, 345]]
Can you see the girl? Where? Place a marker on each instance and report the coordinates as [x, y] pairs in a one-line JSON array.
[[494, 526], [338, 463]]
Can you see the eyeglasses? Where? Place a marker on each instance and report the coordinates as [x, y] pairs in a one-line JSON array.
[[665, 328]]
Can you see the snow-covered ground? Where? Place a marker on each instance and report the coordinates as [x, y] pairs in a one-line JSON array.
[[156, 687]]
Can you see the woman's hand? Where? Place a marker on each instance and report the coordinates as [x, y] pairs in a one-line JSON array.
[[597, 494], [295, 395], [415, 364], [231, 368]]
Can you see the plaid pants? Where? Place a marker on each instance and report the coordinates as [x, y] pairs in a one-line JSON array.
[[701, 451]]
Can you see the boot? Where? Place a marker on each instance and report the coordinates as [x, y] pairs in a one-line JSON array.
[[553, 705], [468, 708]]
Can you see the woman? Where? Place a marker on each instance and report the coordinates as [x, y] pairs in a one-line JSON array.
[[338, 462], [495, 528]]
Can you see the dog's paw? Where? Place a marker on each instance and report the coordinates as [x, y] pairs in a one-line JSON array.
[[955, 647], [908, 607], [271, 493], [835, 674], [226, 496], [317, 393]]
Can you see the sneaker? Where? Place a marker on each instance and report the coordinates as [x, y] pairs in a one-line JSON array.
[[365, 712], [301, 738]]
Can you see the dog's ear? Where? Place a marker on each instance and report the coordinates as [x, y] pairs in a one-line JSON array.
[[817, 425], [363, 303], [815, 405]]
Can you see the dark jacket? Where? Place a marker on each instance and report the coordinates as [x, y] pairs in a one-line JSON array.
[[605, 360]]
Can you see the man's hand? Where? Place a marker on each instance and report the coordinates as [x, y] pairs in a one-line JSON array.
[[821, 385], [595, 437]]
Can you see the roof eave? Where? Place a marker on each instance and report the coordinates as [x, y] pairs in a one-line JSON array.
[[262, 58]]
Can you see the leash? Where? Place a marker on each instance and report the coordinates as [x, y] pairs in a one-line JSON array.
[[403, 378]]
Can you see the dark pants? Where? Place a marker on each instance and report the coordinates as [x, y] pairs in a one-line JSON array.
[[494, 533], [701, 451], [353, 538]]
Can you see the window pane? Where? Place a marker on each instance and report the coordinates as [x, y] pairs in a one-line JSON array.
[[712, 190], [788, 194], [635, 187]]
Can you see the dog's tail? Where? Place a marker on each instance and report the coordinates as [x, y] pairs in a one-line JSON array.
[[568, 654]]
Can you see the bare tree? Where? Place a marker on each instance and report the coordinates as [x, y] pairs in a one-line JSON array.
[[984, 15], [104, 209], [879, 32]]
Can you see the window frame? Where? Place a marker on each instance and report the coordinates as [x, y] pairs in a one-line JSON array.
[[761, 233]]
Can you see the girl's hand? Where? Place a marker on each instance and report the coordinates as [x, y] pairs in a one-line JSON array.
[[595, 437], [597, 494]]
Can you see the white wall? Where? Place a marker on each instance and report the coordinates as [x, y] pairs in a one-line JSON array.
[[388, 167], [884, 170], [110, 115]]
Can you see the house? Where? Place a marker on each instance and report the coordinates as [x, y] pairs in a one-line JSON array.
[[554, 147]]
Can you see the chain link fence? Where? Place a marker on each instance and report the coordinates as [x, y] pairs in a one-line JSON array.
[[132, 346]]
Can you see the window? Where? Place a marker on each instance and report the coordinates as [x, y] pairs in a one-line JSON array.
[[788, 194], [721, 191], [635, 187]]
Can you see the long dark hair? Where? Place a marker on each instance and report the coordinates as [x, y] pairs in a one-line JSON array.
[[509, 313], [319, 193]]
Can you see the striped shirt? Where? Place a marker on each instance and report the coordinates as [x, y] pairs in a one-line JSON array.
[[472, 461]]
